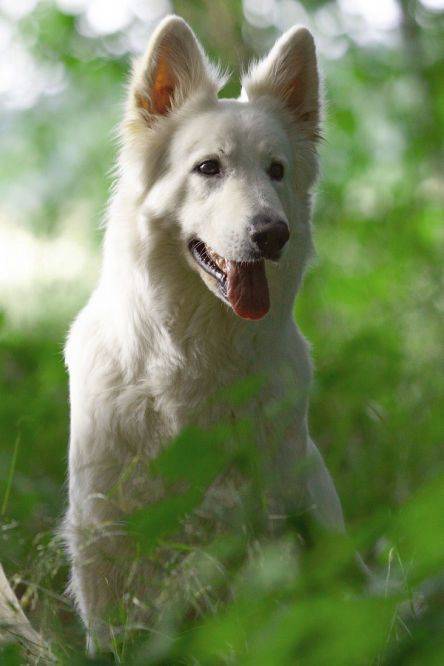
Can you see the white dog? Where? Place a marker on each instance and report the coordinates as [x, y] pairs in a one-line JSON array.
[[207, 237]]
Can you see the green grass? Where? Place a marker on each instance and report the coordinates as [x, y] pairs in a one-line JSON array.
[[246, 595]]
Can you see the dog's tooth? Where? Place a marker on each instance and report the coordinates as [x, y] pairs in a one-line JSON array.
[[217, 259]]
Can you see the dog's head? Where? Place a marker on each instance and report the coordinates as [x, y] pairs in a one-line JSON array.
[[231, 178]]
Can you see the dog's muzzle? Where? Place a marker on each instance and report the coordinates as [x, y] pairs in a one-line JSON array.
[[243, 284]]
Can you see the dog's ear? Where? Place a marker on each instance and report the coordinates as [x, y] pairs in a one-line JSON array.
[[290, 73], [174, 66]]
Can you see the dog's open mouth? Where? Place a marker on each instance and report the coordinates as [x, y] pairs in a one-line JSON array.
[[242, 284]]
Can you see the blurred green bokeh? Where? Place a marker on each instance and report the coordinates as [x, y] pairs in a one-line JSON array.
[[372, 303]]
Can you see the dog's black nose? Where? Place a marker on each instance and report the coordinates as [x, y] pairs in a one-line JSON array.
[[269, 236]]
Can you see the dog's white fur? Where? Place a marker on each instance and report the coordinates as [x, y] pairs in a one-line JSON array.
[[156, 338]]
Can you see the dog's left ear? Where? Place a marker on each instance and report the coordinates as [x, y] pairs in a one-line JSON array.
[[173, 68], [290, 73]]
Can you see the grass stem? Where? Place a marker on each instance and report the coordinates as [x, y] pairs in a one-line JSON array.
[[10, 476]]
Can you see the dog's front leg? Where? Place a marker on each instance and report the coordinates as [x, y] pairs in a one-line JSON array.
[[102, 554], [322, 494], [112, 585], [97, 551], [302, 483], [325, 502]]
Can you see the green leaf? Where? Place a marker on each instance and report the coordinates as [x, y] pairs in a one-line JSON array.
[[153, 523]]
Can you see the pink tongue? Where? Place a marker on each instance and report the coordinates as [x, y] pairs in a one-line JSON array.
[[247, 289]]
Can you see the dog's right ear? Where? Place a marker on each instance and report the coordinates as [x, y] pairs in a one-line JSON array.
[[174, 67]]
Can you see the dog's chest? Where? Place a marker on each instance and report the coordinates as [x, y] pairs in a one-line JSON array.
[[169, 395]]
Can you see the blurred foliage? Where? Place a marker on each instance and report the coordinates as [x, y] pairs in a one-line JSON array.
[[372, 306]]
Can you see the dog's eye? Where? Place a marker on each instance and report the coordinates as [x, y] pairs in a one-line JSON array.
[[209, 168], [276, 171]]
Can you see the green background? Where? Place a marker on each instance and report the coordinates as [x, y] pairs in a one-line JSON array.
[[372, 306]]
